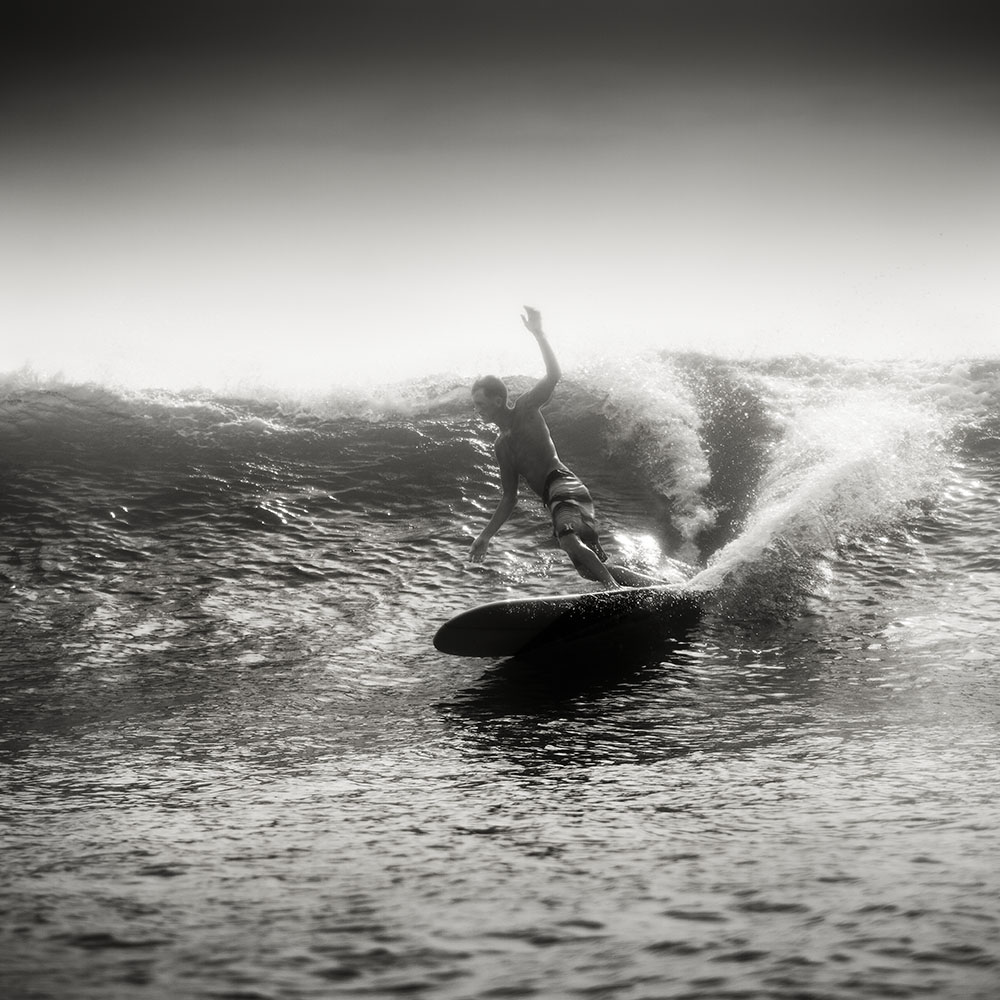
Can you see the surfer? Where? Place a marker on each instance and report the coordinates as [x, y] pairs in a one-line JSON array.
[[524, 449]]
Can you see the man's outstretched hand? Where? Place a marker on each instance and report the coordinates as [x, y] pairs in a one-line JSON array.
[[532, 319], [477, 551]]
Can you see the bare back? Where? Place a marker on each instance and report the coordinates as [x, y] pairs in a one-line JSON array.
[[526, 449]]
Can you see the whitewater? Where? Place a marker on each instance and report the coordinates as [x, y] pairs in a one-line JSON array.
[[234, 765]]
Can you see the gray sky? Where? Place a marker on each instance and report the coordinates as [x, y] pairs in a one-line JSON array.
[[290, 188]]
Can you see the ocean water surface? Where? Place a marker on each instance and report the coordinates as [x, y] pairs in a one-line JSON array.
[[234, 765]]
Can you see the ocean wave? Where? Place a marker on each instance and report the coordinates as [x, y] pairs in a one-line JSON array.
[[758, 466]]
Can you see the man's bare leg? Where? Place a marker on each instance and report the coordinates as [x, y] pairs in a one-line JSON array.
[[630, 578], [589, 566], [586, 561]]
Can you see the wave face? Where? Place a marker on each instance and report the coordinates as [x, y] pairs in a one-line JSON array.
[[734, 470], [222, 707]]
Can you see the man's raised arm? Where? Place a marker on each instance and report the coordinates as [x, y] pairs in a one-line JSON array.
[[540, 394]]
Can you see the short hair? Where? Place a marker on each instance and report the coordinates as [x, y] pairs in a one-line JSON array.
[[492, 386]]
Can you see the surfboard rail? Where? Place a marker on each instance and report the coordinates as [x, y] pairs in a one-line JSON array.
[[518, 626]]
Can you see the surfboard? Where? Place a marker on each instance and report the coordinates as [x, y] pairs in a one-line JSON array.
[[570, 624]]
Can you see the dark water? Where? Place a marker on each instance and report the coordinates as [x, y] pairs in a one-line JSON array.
[[234, 766]]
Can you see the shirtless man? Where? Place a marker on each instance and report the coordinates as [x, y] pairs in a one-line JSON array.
[[524, 448]]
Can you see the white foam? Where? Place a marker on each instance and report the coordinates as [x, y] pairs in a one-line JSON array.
[[852, 459]]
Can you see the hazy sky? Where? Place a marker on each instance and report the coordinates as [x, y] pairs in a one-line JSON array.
[[304, 189]]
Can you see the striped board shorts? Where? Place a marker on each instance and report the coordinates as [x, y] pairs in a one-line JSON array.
[[572, 509]]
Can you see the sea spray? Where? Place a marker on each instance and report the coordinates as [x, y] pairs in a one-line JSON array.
[[652, 422], [851, 462]]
